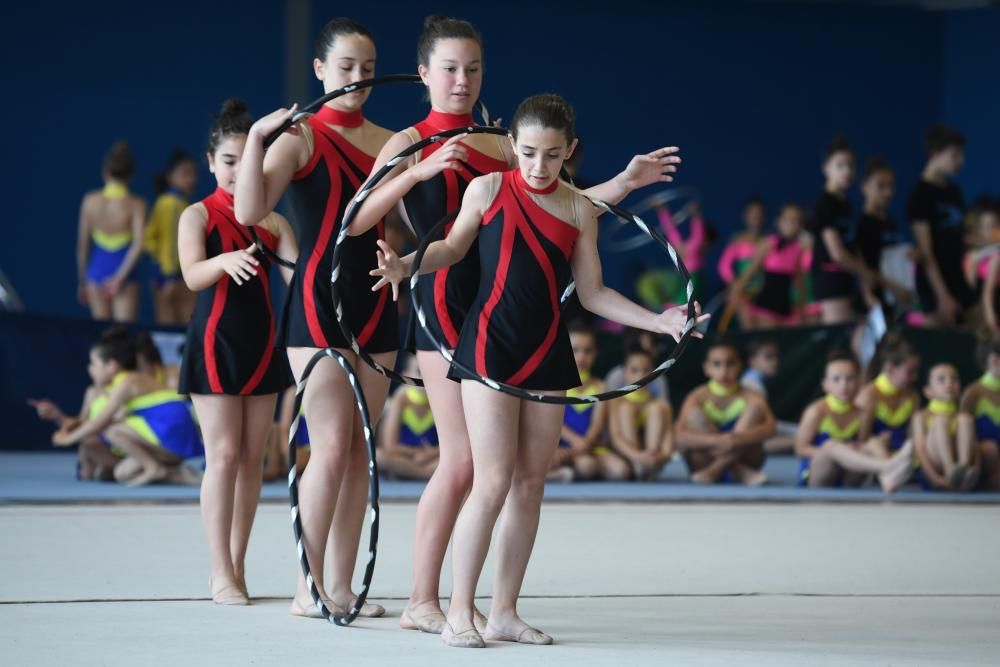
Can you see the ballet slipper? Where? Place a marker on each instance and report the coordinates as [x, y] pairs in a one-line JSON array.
[[154, 473], [229, 596], [368, 609], [465, 639], [432, 623], [528, 635], [312, 611], [479, 620]]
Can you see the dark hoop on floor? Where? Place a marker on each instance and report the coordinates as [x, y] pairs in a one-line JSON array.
[[373, 492], [308, 110], [517, 392]]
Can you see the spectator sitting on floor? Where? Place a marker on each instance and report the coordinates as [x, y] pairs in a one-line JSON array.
[[641, 425], [158, 430], [722, 426], [583, 449], [763, 359], [408, 440], [982, 401], [637, 338], [828, 441]]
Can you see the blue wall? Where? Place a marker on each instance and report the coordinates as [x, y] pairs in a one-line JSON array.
[[972, 94], [751, 92]]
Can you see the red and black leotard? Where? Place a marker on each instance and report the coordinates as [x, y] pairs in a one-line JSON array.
[[514, 330], [447, 294], [319, 195], [230, 339]]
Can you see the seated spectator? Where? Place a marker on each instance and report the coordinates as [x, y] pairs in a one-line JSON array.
[[949, 456], [96, 457], [583, 449], [157, 430], [982, 401], [641, 425], [647, 341], [888, 403], [722, 426], [828, 441], [408, 440], [763, 360]]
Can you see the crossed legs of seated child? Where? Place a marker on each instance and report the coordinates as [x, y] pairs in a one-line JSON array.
[[722, 425], [828, 441]]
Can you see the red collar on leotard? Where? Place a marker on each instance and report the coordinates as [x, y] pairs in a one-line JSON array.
[[448, 121], [549, 189], [333, 116], [223, 197]]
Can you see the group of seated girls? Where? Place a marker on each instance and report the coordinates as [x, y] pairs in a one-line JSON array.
[[405, 437], [851, 436], [133, 427], [882, 432]]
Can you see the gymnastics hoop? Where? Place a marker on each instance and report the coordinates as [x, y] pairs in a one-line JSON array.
[[655, 201], [373, 490], [524, 394], [352, 212], [310, 108]]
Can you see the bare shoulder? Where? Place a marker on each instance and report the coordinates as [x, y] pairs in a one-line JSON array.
[[195, 214], [136, 202], [753, 396], [380, 134]]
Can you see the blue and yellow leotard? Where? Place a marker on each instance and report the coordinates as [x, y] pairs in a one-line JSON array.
[[160, 240], [417, 430], [100, 402], [987, 411], [109, 249], [829, 428], [936, 407], [894, 421], [165, 419], [578, 417], [724, 418]]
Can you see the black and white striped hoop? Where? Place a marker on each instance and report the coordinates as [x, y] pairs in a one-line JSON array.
[[351, 214], [690, 198], [313, 106], [373, 492], [517, 392]]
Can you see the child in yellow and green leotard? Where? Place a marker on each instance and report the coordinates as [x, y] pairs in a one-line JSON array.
[[173, 302], [407, 438], [948, 455], [583, 448], [722, 425], [982, 401], [889, 401], [641, 426], [154, 427], [831, 451]]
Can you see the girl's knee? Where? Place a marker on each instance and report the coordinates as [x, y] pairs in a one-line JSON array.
[[585, 467], [490, 492], [615, 469]]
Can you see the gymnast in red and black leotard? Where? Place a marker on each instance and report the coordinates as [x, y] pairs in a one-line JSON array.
[[230, 368], [449, 292], [230, 339], [534, 231], [321, 163], [425, 188], [514, 331], [319, 194]]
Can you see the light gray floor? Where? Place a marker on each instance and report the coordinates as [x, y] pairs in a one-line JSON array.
[[647, 584]]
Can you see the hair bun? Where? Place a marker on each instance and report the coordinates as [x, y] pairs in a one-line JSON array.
[[233, 107]]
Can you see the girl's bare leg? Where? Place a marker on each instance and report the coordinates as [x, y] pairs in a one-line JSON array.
[[257, 413], [329, 409], [352, 504], [538, 437]]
